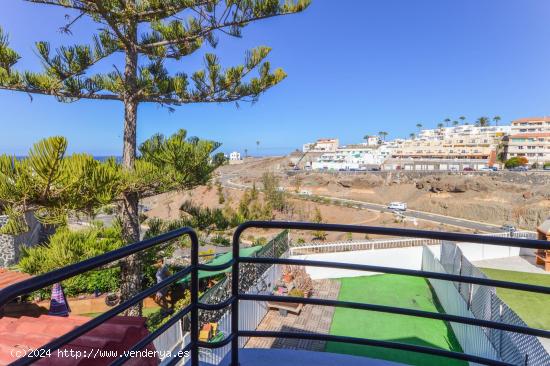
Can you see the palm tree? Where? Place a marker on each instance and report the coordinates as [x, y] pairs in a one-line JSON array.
[[440, 125], [447, 121], [383, 135], [482, 122], [246, 153], [462, 119], [257, 147], [412, 135], [455, 123], [419, 126], [496, 119]]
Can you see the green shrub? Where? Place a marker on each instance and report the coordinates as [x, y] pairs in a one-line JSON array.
[[67, 247], [276, 198], [260, 241], [296, 292], [516, 161], [160, 316], [221, 240], [204, 218]]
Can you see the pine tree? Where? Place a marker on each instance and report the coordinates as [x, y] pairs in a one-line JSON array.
[[53, 184], [148, 33]]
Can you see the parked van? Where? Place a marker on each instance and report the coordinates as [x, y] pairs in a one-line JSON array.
[[399, 206]]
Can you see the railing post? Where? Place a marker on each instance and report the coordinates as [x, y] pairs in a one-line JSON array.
[[235, 305], [194, 300]]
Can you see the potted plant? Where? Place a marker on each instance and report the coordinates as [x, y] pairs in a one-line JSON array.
[[296, 292], [287, 274]]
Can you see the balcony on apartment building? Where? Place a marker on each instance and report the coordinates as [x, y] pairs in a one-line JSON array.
[[248, 334]]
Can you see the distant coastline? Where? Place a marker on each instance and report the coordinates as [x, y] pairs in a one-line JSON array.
[[96, 157]]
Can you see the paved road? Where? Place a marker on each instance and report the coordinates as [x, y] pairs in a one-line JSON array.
[[225, 180]]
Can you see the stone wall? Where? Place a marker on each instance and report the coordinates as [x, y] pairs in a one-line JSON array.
[[10, 245]]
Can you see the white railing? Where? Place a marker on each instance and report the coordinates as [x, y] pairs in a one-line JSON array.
[[348, 246]]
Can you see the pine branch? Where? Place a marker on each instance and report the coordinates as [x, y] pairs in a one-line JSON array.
[[210, 85], [63, 75], [68, 4], [160, 9], [61, 94], [178, 38]]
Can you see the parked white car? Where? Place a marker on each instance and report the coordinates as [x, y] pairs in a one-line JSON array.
[[398, 206]]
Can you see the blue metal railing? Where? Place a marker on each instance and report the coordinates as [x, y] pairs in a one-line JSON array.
[[193, 308]]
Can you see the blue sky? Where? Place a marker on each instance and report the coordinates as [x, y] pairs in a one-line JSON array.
[[355, 67]]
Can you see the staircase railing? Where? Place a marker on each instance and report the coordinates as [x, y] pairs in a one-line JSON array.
[[39, 282]]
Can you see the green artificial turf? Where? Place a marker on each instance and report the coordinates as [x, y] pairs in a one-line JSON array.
[[533, 308], [392, 290]]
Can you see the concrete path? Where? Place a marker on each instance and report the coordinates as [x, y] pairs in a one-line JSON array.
[[518, 264]]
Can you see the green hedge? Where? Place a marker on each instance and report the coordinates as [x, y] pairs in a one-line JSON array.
[[66, 247]]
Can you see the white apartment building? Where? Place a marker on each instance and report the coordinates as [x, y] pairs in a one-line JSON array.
[[351, 157], [439, 134], [530, 138], [321, 145], [373, 141], [235, 155], [477, 144]]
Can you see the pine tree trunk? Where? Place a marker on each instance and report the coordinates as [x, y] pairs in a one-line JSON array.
[[131, 273]]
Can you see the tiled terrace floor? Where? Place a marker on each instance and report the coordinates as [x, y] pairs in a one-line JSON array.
[[312, 318]]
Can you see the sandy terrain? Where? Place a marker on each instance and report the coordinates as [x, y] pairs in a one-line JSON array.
[[522, 199], [166, 206]]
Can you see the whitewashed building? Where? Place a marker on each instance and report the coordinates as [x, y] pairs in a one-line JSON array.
[[351, 157], [373, 141], [478, 145], [321, 145], [235, 155]]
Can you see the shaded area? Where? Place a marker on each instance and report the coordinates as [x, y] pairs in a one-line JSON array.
[[533, 308], [392, 290]]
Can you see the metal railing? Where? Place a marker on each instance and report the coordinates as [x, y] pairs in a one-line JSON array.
[[193, 308]]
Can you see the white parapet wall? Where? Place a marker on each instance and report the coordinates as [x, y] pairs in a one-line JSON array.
[[478, 252], [406, 258], [406, 253]]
